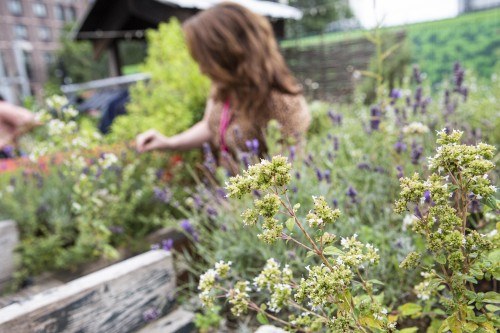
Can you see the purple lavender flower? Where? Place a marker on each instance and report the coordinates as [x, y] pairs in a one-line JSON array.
[[198, 202], [8, 152], [256, 194], [295, 189], [297, 175], [167, 244], [328, 176], [376, 113], [209, 159], [292, 153], [162, 195], [352, 193], [400, 174], [319, 175], [187, 226], [189, 229], [245, 159], [458, 75], [336, 144], [253, 146], [212, 212], [400, 146], [336, 118], [150, 314], [427, 196], [425, 104], [416, 153], [335, 203], [330, 156], [396, 94], [221, 193], [465, 93], [417, 212], [364, 166], [159, 174]]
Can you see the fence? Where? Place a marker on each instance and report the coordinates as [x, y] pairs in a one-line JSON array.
[[325, 64], [327, 69]]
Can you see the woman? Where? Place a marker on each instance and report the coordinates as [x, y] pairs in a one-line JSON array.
[[251, 84]]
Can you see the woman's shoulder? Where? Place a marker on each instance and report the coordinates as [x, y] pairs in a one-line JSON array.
[[287, 104], [291, 111]]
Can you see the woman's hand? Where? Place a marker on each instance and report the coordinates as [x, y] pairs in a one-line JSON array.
[[152, 140], [14, 121]]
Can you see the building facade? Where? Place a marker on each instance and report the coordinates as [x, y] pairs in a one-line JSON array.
[[30, 31]]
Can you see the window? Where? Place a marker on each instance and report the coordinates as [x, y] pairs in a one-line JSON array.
[[39, 9], [20, 31], [48, 58], [59, 12], [70, 14], [45, 34], [28, 64], [3, 70], [15, 7]]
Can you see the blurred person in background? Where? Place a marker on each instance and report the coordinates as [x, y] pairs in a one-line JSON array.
[[251, 85], [14, 121]]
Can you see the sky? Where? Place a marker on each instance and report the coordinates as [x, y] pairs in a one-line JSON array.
[[396, 12]]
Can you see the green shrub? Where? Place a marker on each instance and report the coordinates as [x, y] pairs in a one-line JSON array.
[[175, 96]]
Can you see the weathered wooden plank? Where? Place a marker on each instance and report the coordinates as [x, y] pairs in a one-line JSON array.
[[112, 300], [9, 239], [179, 321]]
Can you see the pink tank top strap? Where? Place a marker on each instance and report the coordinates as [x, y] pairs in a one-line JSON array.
[[224, 124]]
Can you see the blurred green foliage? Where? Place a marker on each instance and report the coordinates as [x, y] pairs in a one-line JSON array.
[[175, 96], [471, 39]]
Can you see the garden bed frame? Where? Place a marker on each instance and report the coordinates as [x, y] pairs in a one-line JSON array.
[[110, 300]]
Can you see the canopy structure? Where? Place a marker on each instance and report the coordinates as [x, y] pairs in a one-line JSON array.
[[266, 8], [109, 21]]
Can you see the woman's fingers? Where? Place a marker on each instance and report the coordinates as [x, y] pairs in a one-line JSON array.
[[146, 141]]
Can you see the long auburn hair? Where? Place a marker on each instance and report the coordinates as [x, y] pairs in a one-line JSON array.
[[237, 49]]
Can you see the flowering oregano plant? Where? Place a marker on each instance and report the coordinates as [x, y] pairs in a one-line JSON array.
[[336, 294], [462, 258]]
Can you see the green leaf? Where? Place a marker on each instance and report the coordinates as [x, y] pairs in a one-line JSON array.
[[409, 330], [492, 308], [491, 202], [441, 258], [290, 223], [374, 281], [310, 254], [470, 327], [494, 256], [331, 250], [492, 297], [262, 318], [410, 309]]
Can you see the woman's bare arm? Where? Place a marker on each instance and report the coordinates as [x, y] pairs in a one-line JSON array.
[[193, 137]]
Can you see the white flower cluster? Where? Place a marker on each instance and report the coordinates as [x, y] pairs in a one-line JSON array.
[[108, 160], [415, 128], [56, 102]]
